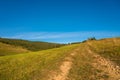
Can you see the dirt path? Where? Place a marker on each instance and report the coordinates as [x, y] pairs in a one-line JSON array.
[[64, 68], [114, 40], [108, 69]]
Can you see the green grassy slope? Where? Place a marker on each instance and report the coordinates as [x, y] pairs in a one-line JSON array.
[[83, 68], [108, 48], [39, 65], [6, 49], [33, 66], [30, 45]]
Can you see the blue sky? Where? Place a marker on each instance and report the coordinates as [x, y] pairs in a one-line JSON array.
[[59, 20]]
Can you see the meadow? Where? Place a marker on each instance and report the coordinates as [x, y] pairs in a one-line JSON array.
[[94, 60], [33, 66], [108, 53]]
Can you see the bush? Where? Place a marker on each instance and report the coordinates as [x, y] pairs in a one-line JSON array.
[[92, 38]]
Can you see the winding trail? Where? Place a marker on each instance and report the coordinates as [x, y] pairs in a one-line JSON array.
[[65, 67]]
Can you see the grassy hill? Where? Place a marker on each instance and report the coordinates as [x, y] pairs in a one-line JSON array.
[[108, 48], [97, 60], [6, 49], [94, 60], [30, 45], [33, 66]]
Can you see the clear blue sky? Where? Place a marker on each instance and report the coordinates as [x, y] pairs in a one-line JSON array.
[[59, 20]]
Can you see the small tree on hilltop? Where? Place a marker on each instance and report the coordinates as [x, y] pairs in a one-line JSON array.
[[92, 38]]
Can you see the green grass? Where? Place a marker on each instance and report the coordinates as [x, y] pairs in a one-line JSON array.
[[33, 66], [6, 49], [39, 65], [108, 48], [82, 68], [30, 45]]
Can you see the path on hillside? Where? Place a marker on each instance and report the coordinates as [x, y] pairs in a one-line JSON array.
[[64, 68], [107, 67]]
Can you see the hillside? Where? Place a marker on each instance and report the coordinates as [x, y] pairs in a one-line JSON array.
[[6, 49], [33, 66], [97, 60], [91, 60], [30, 45]]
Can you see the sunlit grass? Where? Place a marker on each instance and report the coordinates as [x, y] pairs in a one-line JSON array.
[[33, 66], [39, 65], [6, 49], [82, 68], [108, 48]]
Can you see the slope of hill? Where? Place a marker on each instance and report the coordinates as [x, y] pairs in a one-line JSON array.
[[91, 60], [108, 48], [30, 45], [33, 66], [6, 49], [97, 60]]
